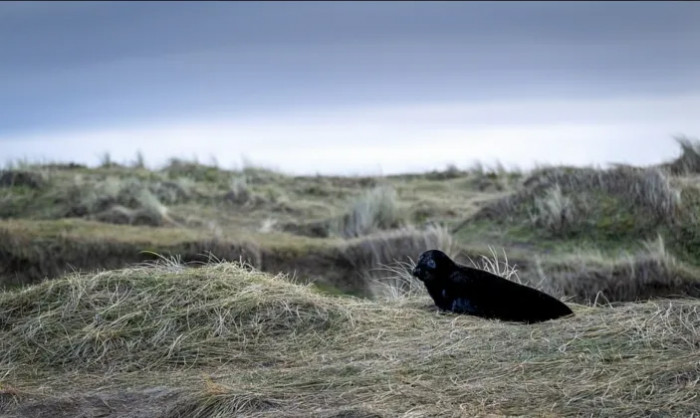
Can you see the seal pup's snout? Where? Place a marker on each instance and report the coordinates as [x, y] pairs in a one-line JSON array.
[[420, 273], [416, 271]]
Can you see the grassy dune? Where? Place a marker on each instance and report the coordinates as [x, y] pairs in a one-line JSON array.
[[624, 234], [224, 339], [119, 296]]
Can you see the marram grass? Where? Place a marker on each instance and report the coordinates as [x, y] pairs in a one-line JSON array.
[[226, 340]]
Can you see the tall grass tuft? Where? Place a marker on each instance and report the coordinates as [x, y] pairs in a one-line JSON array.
[[140, 161], [553, 211], [689, 160], [239, 192], [106, 160], [114, 200], [494, 265], [377, 209]]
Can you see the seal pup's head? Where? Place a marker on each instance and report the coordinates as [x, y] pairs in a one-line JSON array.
[[432, 265]]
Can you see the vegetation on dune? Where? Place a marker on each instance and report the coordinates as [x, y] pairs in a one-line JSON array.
[[565, 201], [621, 208], [319, 315], [22, 178], [225, 339], [339, 231]]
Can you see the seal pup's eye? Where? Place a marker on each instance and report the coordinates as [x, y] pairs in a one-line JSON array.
[[431, 264]]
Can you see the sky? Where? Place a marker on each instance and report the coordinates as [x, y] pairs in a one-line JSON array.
[[349, 87]]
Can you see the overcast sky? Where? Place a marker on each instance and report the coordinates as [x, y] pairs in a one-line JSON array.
[[349, 87]]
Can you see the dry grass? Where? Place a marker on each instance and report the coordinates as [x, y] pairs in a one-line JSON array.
[[383, 261], [497, 266], [224, 340], [394, 281], [387, 260]]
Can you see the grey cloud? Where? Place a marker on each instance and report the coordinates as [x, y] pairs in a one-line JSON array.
[[84, 32], [112, 62]]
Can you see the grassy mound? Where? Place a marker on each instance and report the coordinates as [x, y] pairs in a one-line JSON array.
[[224, 339], [567, 202], [134, 320]]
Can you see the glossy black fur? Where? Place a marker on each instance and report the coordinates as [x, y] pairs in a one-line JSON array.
[[463, 289]]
